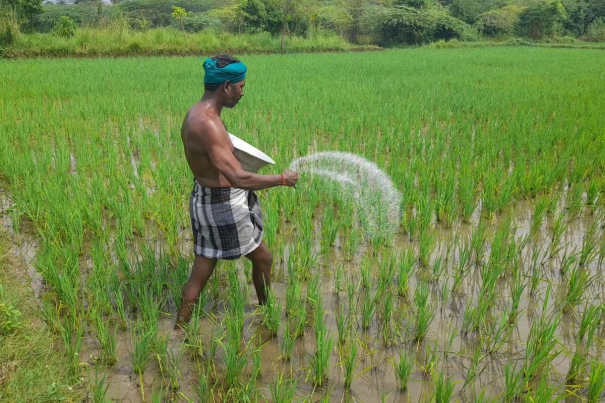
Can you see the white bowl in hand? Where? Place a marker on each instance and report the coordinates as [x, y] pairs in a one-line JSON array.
[[251, 158]]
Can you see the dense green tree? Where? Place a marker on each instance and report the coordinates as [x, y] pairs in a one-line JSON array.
[[469, 10], [25, 11], [540, 20]]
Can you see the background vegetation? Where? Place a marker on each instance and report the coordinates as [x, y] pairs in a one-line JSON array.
[[319, 24]]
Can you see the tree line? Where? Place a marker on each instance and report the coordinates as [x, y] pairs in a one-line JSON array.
[[382, 22]]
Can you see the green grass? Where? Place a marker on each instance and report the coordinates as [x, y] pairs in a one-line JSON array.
[[96, 42], [33, 365]]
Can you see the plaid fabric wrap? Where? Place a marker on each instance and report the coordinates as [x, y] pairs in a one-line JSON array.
[[226, 222]]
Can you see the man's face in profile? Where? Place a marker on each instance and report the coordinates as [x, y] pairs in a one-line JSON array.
[[235, 92]]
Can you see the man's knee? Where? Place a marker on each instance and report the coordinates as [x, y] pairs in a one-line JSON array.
[[264, 259]]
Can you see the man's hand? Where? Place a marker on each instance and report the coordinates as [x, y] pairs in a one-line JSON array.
[[290, 178]]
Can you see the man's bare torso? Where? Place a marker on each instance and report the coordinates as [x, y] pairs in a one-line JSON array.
[[199, 162]]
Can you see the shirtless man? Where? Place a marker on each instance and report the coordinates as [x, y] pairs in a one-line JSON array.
[[225, 212]]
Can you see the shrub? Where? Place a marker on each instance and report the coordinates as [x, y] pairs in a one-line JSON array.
[[410, 26], [541, 19], [65, 27], [498, 22], [596, 30]]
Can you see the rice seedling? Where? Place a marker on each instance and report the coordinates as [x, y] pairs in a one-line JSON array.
[[406, 264], [349, 361], [320, 363], [202, 390], [596, 382], [272, 314], [144, 338], [444, 389], [283, 390], [403, 369], [287, 344], [425, 312], [367, 309], [591, 318], [342, 322], [579, 279], [234, 363], [431, 359], [540, 208], [99, 388]]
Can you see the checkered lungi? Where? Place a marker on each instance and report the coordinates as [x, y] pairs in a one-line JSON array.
[[226, 222]]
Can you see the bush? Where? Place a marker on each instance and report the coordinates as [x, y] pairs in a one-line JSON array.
[[541, 19], [498, 22], [65, 27], [158, 12], [596, 31], [83, 14], [199, 22], [409, 26]]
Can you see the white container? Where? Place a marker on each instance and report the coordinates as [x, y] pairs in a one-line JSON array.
[[251, 158]]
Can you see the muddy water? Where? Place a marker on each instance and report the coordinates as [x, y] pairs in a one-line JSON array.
[[375, 379]]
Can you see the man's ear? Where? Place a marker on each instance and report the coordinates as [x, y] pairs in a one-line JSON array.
[[227, 85]]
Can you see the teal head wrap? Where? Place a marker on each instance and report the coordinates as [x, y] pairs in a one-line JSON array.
[[234, 72]]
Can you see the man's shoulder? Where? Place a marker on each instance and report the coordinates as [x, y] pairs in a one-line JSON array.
[[200, 122]]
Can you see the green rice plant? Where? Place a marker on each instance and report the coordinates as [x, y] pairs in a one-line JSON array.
[[320, 363], [174, 360], [596, 382], [293, 295], [576, 366], [349, 361], [473, 369], [342, 322], [387, 315], [234, 363], [424, 313], [107, 339], [426, 246], [513, 383], [478, 238], [313, 294], [540, 351], [287, 344], [466, 193], [272, 314], [367, 309], [406, 264], [501, 330], [546, 393], [256, 366], [431, 359], [283, 390], [72, 333], [589, 249], [99, 388], [568, 262], [403, 369], [144, 338], [444, 389], [542, 203], [579, 280], [194, 342], [202, 390], [339, 279], [589, 323], [517, 288], [366, 273], [559, 226]]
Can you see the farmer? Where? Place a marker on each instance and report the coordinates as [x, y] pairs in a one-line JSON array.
[[225, 211]]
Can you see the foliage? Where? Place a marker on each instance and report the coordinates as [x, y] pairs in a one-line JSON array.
[[541, 19], [158, 12], [275, 16], [498, 22], [596, 30], [409, 26], [24, 11], [65, 27], [179, 14], [469, 10]]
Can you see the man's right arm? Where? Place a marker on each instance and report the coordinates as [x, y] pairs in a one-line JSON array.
[[213, 139]]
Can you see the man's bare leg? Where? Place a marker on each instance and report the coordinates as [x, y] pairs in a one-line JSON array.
[[200, 273], [262, 261]]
